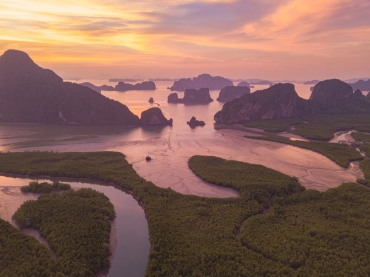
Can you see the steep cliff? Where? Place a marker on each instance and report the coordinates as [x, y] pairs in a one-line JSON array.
[[282, 101], [336, 96], [154, 116], [191, 96], [30, 93], [278, 101]]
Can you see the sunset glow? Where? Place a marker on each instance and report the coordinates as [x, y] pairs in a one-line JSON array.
[[282, 39]]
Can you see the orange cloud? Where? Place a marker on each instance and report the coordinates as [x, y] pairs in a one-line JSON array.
[[233, 36]]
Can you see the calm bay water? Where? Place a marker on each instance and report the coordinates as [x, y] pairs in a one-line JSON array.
[[137, 102]]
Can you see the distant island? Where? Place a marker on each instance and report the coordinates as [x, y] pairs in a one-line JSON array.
[[124, 80], [191, 96], [32, 94], [202, 81], [282, 101], [163, 80], [121, 86], [106, 88], [361, 85], [231, 92], [243, 84], [312, 82], [149, 85]]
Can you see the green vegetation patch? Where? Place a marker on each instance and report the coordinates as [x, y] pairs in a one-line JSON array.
[[76, 225], [318, 234], [341, 154], [22, 255], [317, 127], [365, 166], [254, 182], [273, 125], [366, 149], [36, 187], [360, 136]]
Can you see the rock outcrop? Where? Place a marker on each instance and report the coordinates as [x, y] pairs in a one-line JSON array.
[[231, 92], [281, 101], [173, 98], [361, 85], [336, 96], [330, 92], [151, 100], [202, 81], [191, 96], [194, 122], [278, 101], [92, 86], [32, 94], [154, 116], [243, 84], [140, 86]]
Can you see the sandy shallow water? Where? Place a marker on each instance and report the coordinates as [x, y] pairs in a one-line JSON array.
[[170, 154]]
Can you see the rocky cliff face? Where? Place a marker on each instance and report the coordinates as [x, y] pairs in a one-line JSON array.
[[202, 81], [281, 101], [32, 94], [330, 92], [192, 96], [231, 92], [154, 116], [336, 96], [201, 96], [140, 86], [173, 98], [278, 101]]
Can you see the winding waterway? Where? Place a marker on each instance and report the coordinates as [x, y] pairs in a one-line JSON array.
[[131, 229]]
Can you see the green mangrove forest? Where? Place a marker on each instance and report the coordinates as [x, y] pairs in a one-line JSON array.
[[45, 187], [22, 255], [76, 225], [317, 127], [197, 236]]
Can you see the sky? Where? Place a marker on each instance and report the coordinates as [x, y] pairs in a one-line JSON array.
[[239, 39]]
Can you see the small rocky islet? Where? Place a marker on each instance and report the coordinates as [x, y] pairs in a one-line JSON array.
[[194, 122]]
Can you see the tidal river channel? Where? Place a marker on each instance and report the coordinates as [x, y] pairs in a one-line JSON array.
[[129, 238]]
